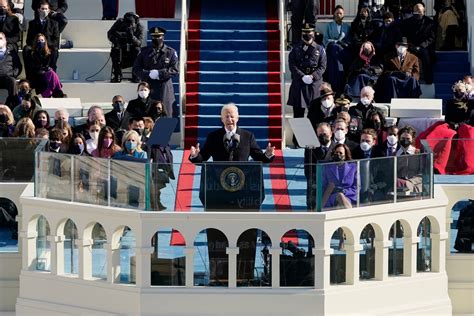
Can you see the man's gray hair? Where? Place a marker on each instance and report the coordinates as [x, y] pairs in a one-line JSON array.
[[368, 89], [230, 107]]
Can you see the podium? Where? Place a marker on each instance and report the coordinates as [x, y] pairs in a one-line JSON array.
[[231, 186]]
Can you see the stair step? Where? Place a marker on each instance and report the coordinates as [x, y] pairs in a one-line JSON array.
[[219, 76], [233, 34], [459, 67], [443, 88], [256, 98], [447, 77], [261, 87], [248, 45], [252, 120], [244, 108], [233, 65], [234, 24], [233, 55], [458, 56]]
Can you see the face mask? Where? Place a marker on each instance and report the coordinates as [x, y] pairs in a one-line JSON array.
[[40, 44], [365, 146], [3, 43], [365, 101], [118, 106], [139, 131], [40, 123], [130, 146], [417, 15], [379, 2], [143, 94], [459, 95], [27, 109], [107, 142], [94, 136], [158, 111], [78, 149], [23, 92], [3, 118], [386, 24], [405, 142], [323, 139], [377, 125], [326, 104], [339, 134], [54, 145], [3, 11], [307, 37], [392, 140], [367, 51], [337, 157], [43, 14], [363, 17], [157, 42], [401, 50]]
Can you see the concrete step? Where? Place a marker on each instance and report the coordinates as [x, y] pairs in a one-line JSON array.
[[86, 9], [99, 91], [87, 61]]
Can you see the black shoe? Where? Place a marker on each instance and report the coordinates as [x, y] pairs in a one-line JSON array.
[[135, 79], [116, 79]]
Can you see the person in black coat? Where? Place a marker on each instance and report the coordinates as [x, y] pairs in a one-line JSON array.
[[44, 24], [306, 10], [118, 118], [10, 66], [224, 145], [9, 25], [138, 107], [57, 7], [362, 111], [420, 32], [361, 29], [323, 109], [386, 36], [157, 65], [126, 36]]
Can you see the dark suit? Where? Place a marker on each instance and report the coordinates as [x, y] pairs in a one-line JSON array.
[[49, 29], [59, 7], [11, 28], [311, 158], [215, 148], [113, 121]]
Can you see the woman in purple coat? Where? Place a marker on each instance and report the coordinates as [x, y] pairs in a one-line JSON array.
[[340, 179]]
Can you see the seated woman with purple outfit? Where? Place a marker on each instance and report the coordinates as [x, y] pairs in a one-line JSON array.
[[339, 179]]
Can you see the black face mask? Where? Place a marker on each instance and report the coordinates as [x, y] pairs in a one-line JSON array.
[[323, 139], [3, 11], [139, 131], [337, 157], [307, 37], [54, 145], [157, 42], [76, 150], [27, 110], [118, 106], [23, 92], [377, 125], [3, 118], [405, 142]]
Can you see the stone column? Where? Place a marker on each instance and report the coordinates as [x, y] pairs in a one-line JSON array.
[[28, 239], [232, 253], [189, 252], [352, 263], [381, 259], [57, 254], [322, 267], [410, 249], [143, 268], [113, 263], [85, 258], [275, 253], [438, 252]]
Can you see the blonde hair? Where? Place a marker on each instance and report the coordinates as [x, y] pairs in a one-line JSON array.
[[25, 128], [6, 110], [135, 135]]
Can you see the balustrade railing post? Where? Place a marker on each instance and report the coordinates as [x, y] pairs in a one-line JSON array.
[[189, 252], [232, 252], [275, 253]]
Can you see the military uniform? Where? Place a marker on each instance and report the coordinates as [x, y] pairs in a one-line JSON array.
[[165, 61], [305, 60]]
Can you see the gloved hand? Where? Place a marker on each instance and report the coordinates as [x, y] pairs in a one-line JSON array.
[[308, 79], [154, 74]]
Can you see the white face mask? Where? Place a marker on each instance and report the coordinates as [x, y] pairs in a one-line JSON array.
[[94, 136], [143, 94], [43, 14], [81, 147], [379, 2], [3, 43], [339, 134], [401, 50], [365, 146], [365, 101], [326, 103], [392, 140]]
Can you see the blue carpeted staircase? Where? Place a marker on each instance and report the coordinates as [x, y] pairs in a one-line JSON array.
[[233, 56], [450, 67]]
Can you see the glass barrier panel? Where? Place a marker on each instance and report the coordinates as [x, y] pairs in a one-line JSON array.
[[127, 184], [337, 185], [54, 176], [376, 181], [17, 158], [163, 184], [413, 177], [232, 186], [91, 180]]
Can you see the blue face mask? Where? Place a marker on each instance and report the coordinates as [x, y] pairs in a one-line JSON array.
[[41, 44], [130, 146]]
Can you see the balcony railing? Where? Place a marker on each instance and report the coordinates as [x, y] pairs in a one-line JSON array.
[[246, 186]]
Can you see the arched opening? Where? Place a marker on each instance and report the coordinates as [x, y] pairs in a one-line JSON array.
[[8, 226], [396, 251], [43, 245], [254, 264], [127, 257], [423, 258], [367, 254], [211, 262], [338, 257], [297, 259], [99, 253], [168, 260], [71, 252]]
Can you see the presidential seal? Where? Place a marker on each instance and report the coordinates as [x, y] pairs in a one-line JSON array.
[[232, 179]]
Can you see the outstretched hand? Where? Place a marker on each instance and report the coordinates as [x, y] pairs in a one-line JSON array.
[[270, 150], [195, 151]]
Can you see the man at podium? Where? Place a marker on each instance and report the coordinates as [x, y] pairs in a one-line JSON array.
[[231, 143]]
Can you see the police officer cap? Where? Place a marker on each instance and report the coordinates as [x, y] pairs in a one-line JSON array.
[[157, 31], [308, 27], [343, 100]]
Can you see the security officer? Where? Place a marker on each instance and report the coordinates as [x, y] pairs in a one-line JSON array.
[[156, 65], [126, 35], [307, 64]]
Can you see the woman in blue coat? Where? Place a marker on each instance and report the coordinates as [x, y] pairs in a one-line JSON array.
[[340, 179]]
